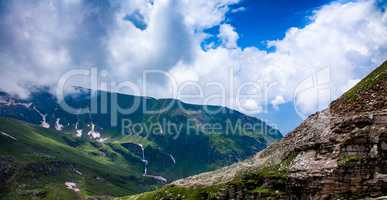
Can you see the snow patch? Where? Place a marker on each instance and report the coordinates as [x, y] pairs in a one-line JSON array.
[[102, 140], [7, 135], [92, 133], [172, 158], [43, 123], [77, 172], [160, 178], [72, 186], [78, 131], [58, 125], [12, 102]]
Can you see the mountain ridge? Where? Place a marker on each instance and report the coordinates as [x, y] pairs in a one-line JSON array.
[[150, 159]]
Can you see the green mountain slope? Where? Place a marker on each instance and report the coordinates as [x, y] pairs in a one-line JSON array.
[[367, 95], [117, 164], [37, 162]]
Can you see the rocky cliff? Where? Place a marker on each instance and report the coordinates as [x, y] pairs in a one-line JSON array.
[[338, 153]]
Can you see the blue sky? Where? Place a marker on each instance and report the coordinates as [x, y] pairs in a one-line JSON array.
[[260, 21], [278, 60], [269, 20]]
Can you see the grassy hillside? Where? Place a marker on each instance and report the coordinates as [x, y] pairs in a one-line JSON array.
[[368, 82], [365, 96], [40, 161], [200, 140], [36, 162]]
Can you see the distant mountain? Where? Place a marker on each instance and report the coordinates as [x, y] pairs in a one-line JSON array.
[[43, 147], [338, 153]]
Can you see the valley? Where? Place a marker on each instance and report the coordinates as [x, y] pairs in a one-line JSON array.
[[42, 147]]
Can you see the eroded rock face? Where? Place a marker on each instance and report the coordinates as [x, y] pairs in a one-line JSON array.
[[328, 157], [355, 164]]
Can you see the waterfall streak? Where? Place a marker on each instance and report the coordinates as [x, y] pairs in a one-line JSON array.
[[43, 123], [145, 161]]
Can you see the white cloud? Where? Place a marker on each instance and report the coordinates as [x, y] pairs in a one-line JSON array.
[[166, 41], [201, 14], [240, 9], [35, 48], [48, 39], [278, 100], [340, 39], [251, 105], [228, 36]]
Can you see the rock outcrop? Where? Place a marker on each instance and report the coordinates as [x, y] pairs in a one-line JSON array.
[[338, 153], [327, 157]]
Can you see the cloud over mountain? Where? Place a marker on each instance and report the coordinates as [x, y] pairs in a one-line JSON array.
[[42, 40]]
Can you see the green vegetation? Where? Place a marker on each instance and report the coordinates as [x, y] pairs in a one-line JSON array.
[[348, 159], [40, 161], [178, 193], [264, 191], [276, 172], [368, 82], [134, 139], [284, 165], [115, 167], [273, 172], [266, 182]]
